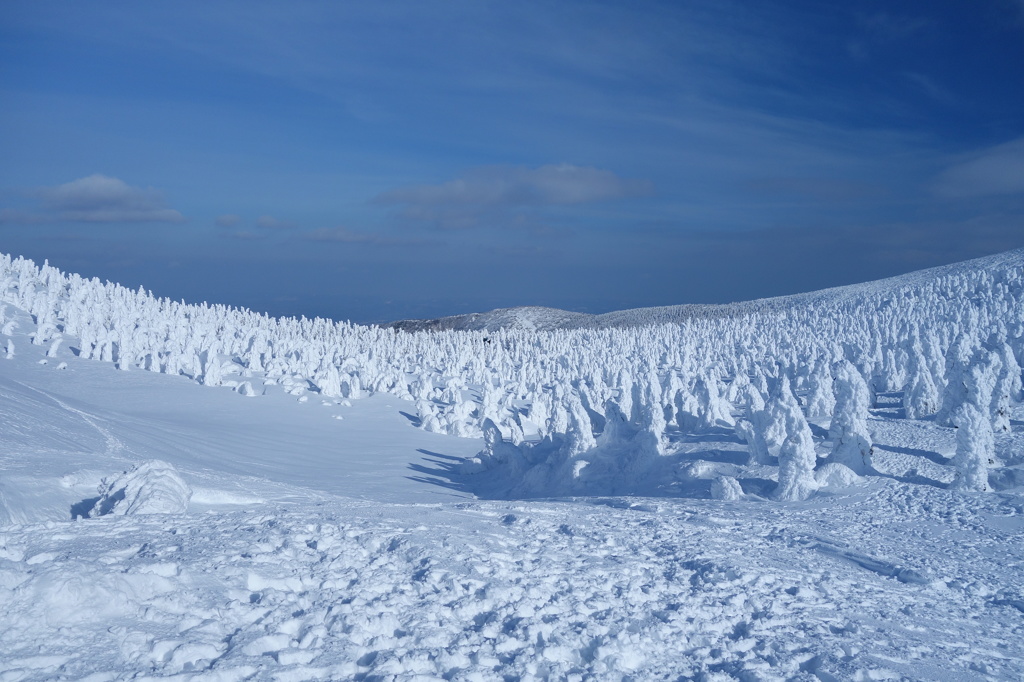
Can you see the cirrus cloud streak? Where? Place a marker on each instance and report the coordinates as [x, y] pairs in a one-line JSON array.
[[550, 185]]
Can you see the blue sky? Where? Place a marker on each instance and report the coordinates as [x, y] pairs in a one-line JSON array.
[[376, 161]]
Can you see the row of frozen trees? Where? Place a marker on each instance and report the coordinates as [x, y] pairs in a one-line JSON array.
[[951, 343]]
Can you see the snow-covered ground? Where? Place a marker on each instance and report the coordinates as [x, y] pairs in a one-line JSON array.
[[330, 537]]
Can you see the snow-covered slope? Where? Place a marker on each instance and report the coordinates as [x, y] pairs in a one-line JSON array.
[[531, 318], [541, 318], [630, 503]]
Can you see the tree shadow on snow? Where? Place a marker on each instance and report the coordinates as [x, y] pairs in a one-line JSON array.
[[712, 436], [762, 487], [737, 457], [686, 475], [416, 421], [819, 432], [914, 478], [444, 471], [80, 510], [927, 454]]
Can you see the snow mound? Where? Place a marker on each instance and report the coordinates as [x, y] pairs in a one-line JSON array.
[[152, 487], [836, 475], [246, 388], [726, 488]]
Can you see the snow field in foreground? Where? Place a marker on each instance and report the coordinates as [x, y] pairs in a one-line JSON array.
[[862, 588]]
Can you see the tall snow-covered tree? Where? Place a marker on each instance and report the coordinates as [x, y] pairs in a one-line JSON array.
[[958, 360], [920, 395], [851, 440], [796, 455], [975, 449], [580, 435], [1007, 387], [821, 401]]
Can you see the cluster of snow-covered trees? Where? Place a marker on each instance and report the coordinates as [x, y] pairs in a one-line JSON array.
[[546, 402]]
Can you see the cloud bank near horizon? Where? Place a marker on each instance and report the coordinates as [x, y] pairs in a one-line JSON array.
[[97, 199]]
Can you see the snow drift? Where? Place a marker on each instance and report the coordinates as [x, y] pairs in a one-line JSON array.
[[152, 487]]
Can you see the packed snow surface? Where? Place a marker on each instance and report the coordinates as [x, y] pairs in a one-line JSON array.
[[829, 489]]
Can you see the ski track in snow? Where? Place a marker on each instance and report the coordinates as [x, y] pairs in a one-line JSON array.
[[114, 445]]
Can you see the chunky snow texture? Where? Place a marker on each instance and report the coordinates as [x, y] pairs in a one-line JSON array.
[[346, 590], [152, 487]]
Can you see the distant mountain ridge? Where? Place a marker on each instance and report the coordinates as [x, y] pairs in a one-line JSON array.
[[540, 318]]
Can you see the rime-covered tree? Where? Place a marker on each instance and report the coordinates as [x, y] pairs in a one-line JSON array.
[[980, 379], [958, 360], [920, 395], [820, 401], [975, 449], [580, 435], [796, 454], [713, 408], [851, 440], [1007, 387]]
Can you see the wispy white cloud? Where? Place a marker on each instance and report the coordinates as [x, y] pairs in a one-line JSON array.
[[998, 170], [892, 27], [343, 235], [930, 87], [551, 185], [245, 235], [269, 222], [229, 220], [340, 234], [93, 199], [460, 202], [103, 199]]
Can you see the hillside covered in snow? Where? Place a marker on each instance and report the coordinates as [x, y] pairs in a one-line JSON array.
[[538, 318], [827, 486]]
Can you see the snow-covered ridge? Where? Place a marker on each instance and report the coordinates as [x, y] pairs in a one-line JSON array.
[[531, 318], [544, 319]]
